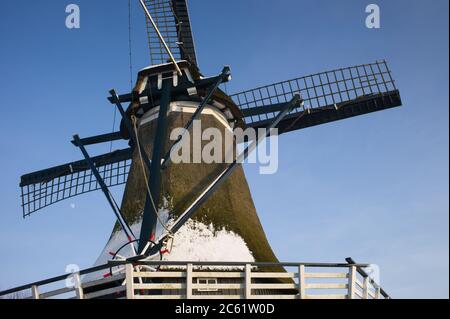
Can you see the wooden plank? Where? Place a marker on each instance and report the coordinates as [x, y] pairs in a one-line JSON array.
[[164, 286], [351, 282], [79, 293], [359, 284], [273, 275], [219, 286], [326, 275], [301, 282], [189, 281], [248, 282], [366, 288], [148, 297], [274, 286], [218, 274], [129, 281], [372, 294], [377, 293], [359, 294], [326, 296], [35, 292], [103, 281], [218, 297], [275, 297], [160, 274], [56, 292], [326, 286], [105, 292]]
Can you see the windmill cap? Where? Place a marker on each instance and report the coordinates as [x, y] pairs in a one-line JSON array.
[[162, 68]]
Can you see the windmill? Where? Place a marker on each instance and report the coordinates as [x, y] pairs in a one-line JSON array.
[[196, 210]]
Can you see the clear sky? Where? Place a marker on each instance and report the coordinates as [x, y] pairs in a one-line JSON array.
[[373, 187]]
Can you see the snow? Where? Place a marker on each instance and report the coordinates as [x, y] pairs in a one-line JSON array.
[[194, 241]]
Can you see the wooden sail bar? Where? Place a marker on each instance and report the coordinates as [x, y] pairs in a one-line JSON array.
[[161, 38]]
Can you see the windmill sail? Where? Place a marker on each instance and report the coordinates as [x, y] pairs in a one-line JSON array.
[[328, 96], [172, 19], [43, 188]]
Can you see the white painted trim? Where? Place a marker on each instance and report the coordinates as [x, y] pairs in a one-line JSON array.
[[185, 107], [159, 65]]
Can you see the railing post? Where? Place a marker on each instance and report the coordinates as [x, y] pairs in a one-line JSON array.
[[189, 281], [366, 288], [351, 282], [301, 282], [35, 292], [248, 281], [377, 292], [129, 279], [77, 286]]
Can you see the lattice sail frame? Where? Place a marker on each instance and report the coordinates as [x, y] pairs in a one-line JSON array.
[[324, 93], [74, 179], [330, 89], [172, 19]]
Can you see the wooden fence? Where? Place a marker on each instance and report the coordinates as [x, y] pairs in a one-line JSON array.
[[178, 280]]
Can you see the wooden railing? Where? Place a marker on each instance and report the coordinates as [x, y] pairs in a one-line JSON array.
[[215, 280]]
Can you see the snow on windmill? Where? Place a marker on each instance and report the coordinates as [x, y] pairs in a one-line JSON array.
[[196, 211]]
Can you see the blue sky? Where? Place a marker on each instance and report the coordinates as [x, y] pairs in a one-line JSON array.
[[373, 187]]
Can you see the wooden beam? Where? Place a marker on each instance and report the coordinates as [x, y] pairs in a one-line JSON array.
[[366, 288], [189, 281], [301, 282], [351, 282], [35, 292], [129, 279], [248, 281], [78, 286]]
